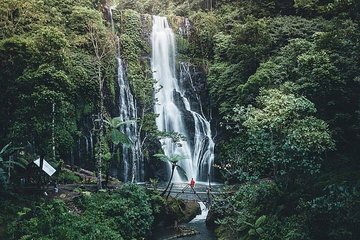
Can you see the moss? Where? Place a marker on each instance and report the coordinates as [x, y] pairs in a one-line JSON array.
[[110, 84], [133, 48], [131, 25], [180, 211]]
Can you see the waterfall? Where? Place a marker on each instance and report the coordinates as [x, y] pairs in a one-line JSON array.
[[202, 216], [131, 157], [175, 111], [132, 160], [86, 146], [79, 151]]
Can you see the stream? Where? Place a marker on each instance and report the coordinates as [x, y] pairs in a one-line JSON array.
[[198, 224]]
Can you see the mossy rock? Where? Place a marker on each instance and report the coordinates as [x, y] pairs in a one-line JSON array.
[[180, 211]]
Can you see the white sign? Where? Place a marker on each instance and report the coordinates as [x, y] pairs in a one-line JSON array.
[[46, 167]]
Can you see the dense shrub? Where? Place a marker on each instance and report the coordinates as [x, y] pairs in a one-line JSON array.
[[66, 176], [336, 213], [125, 214], [246, 211]]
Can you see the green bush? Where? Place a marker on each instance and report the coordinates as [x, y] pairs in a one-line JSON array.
[[66, 176], [128, 211], [339, 205], [125, 214], [243, 215]]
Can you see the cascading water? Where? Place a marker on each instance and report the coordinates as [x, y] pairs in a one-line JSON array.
[[132, 160], [127, 112], [174, 109], [202, 141]]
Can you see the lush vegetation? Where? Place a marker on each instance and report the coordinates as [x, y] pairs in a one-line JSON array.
[[284, 82], [49, 70], [130, 212], [124, 214]]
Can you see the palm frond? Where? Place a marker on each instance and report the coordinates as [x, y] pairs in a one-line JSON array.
[[118, 137], [12, 163], [4, 149], [162, 157], [173, 159], [117, 122], [176, 158]]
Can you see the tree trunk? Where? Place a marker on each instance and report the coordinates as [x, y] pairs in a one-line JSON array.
[[101, 129], [107, 177], [53, 132], [172, 174]]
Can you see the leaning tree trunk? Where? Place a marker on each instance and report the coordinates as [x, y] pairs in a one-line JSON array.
[[172, 174]]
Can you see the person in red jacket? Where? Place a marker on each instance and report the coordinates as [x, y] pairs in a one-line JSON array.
[[192, 183]]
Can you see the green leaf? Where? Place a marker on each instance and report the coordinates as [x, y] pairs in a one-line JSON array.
[[260, 221], [4, 149], [107, 156], [243, 228], [252, 232], [162, 157], [11, 162], [260, 231], [117, 122], [173, 159], [118, 137], [176, 158]]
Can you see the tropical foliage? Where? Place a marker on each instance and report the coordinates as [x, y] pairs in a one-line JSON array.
[[126, 214], [8, 163], [173, 160], [284, 83]]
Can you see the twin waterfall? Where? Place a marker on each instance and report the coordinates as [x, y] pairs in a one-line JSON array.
[[172, 107]]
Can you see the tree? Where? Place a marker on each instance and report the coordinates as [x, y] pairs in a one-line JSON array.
[[18, 16], [173, 160], [103, 46], [282, 137], [15, 54], [116, 137], [37, 91]]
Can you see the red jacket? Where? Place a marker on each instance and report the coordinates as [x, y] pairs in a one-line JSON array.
[[192, 183]]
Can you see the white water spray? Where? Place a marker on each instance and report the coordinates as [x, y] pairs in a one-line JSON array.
[[132, 160], [172, 107]]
